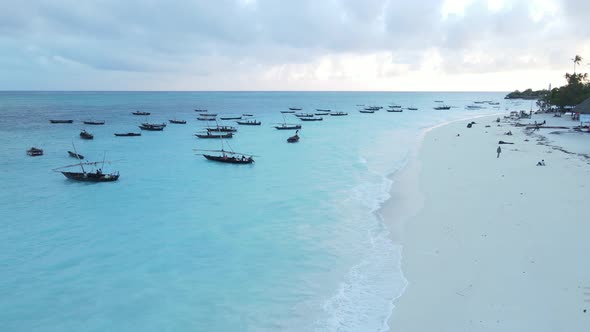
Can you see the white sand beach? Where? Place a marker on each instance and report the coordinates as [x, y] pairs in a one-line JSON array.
[[494, 244]]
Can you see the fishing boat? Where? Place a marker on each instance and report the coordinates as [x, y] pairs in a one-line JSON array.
[[294, 138], [93, 122], [200, 110], [322, 113], [304, 115], [209, 115], [163, 124], [35, 152], [231, 118], [373, 108], [285, 112], [478, 102], [323, 110], [249, 123], [312, 119], [295, 108], [443, 107], [210, 135], [61, 121], [86, 135], [84, 176], [178, 121], [413, 108], [438, 101], [287, 126], [395, 106], [127, 134], [201, 118], [141, 113], [151, 127], [396, 110], [338, 114], [223, 129], [367, 111], [494, 103], [246, 114], [228, 157], [75, 155]]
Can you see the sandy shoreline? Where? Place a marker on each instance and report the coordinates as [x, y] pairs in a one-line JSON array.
[[492, 244]]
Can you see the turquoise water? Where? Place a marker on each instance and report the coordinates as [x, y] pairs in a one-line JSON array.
[[179, 243]]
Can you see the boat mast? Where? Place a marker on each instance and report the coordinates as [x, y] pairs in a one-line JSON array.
[[78, 157]]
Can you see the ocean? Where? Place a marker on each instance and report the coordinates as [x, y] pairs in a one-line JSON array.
[[290, 243]]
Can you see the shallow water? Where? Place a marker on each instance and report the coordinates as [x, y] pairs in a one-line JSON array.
[[181, 243]]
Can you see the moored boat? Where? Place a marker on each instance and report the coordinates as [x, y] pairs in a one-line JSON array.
[[61, 121], [312, 119], [141, 113], [294, 138], [86, 135], [127, 134], [304, 115], [287, 126], [95, 176], [249, 123], [35, 152], [231, 118], [413, 108], [367, 111], [443, 107], [178, 121], [224, 129], [396, 110], [94, 122], [322, 113], [210, 135], [200, 110], [338, 114], [151, 127], [75, 155], [295, 108], [285, 112]]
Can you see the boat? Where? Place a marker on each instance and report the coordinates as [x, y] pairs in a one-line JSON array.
[[394, 106], [231, 118], [86, 135], [246, 114], [61, 121], [286, 126], [322, 113], [178, 121], [443, 107], [223, 129], [295, 108], [367, 111], [294, 138], [151, 127], [141, 113], [127, 134], [209, 135], [285, 112], [228, 157], [396, 110], [200, 110], [323, 110], [163, 124], [474, 107], [338, 114], [438, 101], [93, 122], [200, 118], [478, 102], [75, 155], [35, 152], [413, 108], [373, 108], [312, 119], [494, 103], [209, 115], [304, 115], [95, 176], [249, 123]]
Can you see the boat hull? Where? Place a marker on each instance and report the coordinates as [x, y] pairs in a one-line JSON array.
[[229, 160], [91, 177]]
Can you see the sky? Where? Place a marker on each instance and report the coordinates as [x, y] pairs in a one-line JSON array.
[[326, 45]]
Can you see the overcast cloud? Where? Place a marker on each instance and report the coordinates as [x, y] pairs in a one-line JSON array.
[[290, 44]]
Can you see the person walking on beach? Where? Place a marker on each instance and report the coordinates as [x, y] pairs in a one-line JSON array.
[[499, 150]]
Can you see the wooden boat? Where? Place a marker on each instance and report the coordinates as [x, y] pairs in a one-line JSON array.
[[75, 155], [323, 110], [322, 113], [209, 115], [295, 108], [151, 127], [443, 107], [231, 118], [312, 119], [35, 152], [304, 115], [86, 135], [141, 113], [228, 157], [338, 114], [200, 110], [249, 123], [367, 111], [92, 122], [61, 121], [127, 134], [200, 118], [285, 112], [178, 121], [163, 124], [84, 176], [394, 106], [294, 138], [413, 108], [246, 114], [286, 126], [209, 135], [438, 101], [396, 110], [373, 108], [223, 129]]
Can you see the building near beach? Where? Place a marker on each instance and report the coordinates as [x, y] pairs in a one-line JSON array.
[[583, 107]]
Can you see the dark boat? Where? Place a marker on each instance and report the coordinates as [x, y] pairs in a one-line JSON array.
[[178, 121], [312, 119], [223, 129], [295, 108], [209, 135], [413, 108], [97, 176], [338, 114], [442, 107], [284, 112], [200, 110], [209, 115], [152, 127], [75, 155], [141, 113], [61, 121], [230, 159], [367, 111], [323, 110], [246, 114], [200, 118], [163, 124], [92, 122], [304, 115], [438, 101], [322, 113], [86, 135], [35, 152], [396, 110], [294, 138], [249, 123], [286, 126], [373, 108], [231, 118], [127, 134]]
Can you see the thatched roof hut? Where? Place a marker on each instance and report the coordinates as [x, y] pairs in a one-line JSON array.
[[583, 107]]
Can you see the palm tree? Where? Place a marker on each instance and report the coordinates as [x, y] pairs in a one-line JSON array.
[[577, 59]]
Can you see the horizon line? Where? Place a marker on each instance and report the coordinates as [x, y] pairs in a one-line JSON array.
[[298, 91]]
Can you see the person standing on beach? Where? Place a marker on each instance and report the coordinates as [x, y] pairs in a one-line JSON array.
[[499, 150]]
